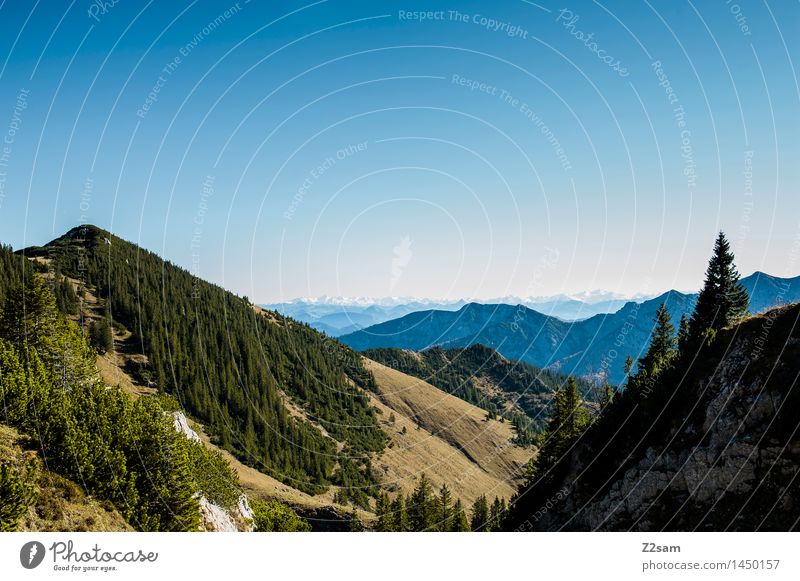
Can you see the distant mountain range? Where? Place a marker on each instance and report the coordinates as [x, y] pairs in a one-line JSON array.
[[594, 347], [338, 316]]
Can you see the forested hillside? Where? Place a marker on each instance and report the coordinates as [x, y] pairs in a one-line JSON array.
[[515, 391], [232, 366]]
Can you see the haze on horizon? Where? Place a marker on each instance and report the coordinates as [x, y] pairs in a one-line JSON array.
[[360, 150]]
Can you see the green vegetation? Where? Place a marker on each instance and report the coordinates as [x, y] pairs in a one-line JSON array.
[[17, 492], [120, 450], [428, 511], [722, 299], [271, 516], [663, 405], [232, 367], [515, 391], [100, 336]]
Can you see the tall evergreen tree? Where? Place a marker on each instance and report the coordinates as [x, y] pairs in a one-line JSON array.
[[383, 510], [459, 523], [683, 333], [445, 509], [100, 336], [422, 506], [399, 514], [661, 349], [480, 514], [722, 299]]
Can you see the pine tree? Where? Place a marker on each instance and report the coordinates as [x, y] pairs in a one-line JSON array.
[[607, 396], [445, 510], [101, 336], [683, 333], [480, 514], [459, 523], [722, 299], [575, 416], [568, 420], [383, 510], [422, 506], [626, 368], [661, 349], [399, 514]]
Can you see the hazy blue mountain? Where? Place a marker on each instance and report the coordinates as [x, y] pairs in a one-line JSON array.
[[588, 347], [341, 316]]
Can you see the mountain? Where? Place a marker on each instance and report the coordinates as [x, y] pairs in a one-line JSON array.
[[518, 392], [263, 404], [587, 348], [339, 316], [275, 393], [712, 445]]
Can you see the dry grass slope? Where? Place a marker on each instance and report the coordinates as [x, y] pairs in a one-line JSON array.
[[448, 439]]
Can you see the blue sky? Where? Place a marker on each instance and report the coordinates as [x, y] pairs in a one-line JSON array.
[[289, 149]]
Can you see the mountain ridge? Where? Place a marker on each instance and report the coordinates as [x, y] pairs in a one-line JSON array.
[[594, 347]]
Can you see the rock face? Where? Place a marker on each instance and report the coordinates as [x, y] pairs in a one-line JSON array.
[[218, 520], [215, 518], [730, 462], [182, 426]]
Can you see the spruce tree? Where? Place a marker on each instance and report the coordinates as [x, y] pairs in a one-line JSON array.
[[445, 509], [422, 506], [683, 332], [459, 522], [480, 514], [383, 510], [722, 299], [399, 514], [661, 349]]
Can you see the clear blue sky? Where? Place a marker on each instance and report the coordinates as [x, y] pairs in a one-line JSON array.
[[229, 142]]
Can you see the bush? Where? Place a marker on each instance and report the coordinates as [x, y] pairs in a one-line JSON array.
[[271, 516]]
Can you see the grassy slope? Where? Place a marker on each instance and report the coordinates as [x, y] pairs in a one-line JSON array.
[[455, 444]]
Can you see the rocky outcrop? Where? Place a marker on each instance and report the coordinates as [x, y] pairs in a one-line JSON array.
[[215, 518], [182, 426], [731, 461]]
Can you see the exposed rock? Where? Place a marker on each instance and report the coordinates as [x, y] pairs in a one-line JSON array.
[[182, 426], [215, 518]]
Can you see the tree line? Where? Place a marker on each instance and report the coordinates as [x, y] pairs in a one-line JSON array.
[[426, 510]]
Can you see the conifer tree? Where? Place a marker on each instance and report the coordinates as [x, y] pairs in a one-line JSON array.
[[661, 349], [722, 299], [100, 336], [445, 509], [480, 514], [422, 506], [607, 396], [399, 514], [459, 523], [683, 333], [628, 365], [383, 510], [568, 420], [575, 417]]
